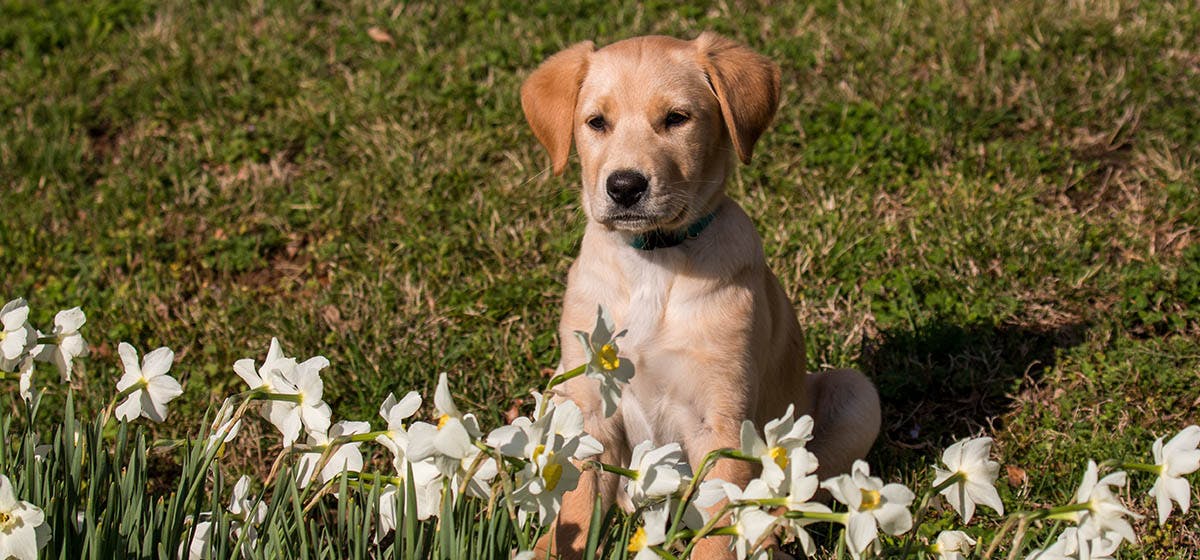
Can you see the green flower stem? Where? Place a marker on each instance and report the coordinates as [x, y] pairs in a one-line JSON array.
[[954, 479], [627, 473], [707, 463], [564, 377], [112, 405], [500, 457], [658, 550], [762, 502], [49, 339], [919, 516], [840, 518], [1152, 469], [141, 384], [359, 438], [1062, 512], [373, 477], [285, 397], [728, 530]]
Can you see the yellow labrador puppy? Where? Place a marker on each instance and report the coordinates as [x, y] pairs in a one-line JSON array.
[[657, 122]]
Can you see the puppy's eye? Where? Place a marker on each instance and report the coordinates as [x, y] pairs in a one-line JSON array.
[[675, 118], [597, 123]]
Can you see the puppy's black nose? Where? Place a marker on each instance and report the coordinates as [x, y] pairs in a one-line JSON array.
[[626, 187]]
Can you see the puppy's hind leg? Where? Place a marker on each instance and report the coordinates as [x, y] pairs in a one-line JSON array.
[[846, 418]]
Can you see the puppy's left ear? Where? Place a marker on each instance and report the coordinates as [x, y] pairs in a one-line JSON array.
[[548, 97], [746, 84]]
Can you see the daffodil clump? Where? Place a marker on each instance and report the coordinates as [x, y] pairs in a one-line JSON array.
[[413, 483]]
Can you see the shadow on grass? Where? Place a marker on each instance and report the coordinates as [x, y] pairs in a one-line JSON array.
[[941, 382]]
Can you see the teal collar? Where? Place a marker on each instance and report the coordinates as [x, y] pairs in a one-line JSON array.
[[659, 239]]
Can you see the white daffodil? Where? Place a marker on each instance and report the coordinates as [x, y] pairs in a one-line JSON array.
[[311, 413], [68, 343], [243, 508], [872, 506], [521, 438], [200, 547], [346, 458], [783, 434], [269, 377], [1105, 514], [1177, 458], [548, 475], [395, 413], [427, 484], [224, 428], [653, 532], [148, 385], [387, 510], [801, 484], [25, 380], [282, 375], [603, 361], [661, 471], [15, 332], [969, 459], [247, 515], [427, 489], [952, 545], [752, 523], [451, 440], [1072, 546], [23, 528], [567, 420]]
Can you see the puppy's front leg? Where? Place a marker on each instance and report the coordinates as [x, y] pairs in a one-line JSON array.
[[724, 433]]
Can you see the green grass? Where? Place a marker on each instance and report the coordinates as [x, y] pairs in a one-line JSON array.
[[992, 211]]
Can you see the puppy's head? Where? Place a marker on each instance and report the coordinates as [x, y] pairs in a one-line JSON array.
[[654, 120]]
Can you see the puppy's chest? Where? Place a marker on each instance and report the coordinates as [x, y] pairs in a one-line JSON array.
[[661, 403]]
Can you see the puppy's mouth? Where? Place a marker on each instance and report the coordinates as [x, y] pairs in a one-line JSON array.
[[630, 222], [640, 222]]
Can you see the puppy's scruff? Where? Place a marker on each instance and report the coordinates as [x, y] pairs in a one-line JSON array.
[[657, 123]]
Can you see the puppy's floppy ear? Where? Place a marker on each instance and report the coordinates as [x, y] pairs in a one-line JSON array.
[[548, 97], [746, 84]]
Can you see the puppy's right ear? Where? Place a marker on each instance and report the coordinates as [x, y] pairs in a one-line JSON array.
[[548, 97]]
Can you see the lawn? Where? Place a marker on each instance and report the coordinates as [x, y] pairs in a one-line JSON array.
[[993, 211]]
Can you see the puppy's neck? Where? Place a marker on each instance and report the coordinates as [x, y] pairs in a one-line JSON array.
[[680, 239]]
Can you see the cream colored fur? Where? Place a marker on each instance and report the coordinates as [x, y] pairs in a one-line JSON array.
[[711, 331]]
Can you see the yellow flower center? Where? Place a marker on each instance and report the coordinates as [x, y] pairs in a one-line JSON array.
[[779, 455], [608, 357], [442, 420], [4, 518], [552, 473], [870, 500], [638, 541], [537, 452]]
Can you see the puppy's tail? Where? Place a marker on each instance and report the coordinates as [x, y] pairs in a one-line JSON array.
[[846, 418]]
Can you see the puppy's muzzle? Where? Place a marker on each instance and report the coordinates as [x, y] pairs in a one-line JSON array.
[[626, 187]]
